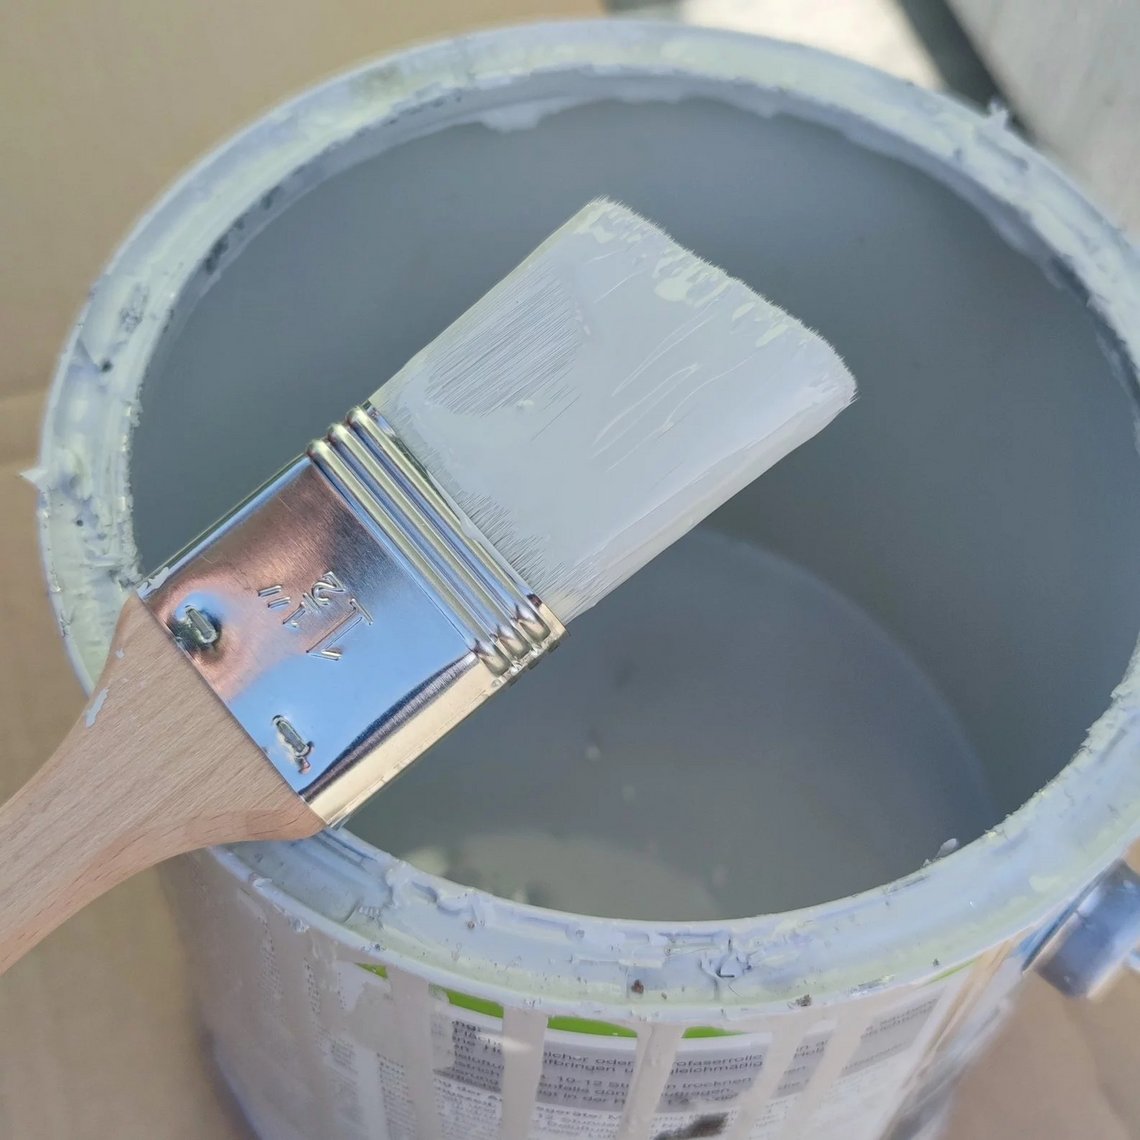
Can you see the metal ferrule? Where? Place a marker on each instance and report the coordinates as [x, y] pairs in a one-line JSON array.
[[349, 615]]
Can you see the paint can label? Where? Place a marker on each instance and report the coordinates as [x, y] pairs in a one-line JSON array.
[[720, 1083], [314, 1041]]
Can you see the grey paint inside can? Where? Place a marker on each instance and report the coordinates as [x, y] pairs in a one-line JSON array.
[[969, 502], [725, 736]]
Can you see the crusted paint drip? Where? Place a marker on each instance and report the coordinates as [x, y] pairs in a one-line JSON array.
[[95, 708]]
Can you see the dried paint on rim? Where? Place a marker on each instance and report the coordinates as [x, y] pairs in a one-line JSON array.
[[1009, 881]]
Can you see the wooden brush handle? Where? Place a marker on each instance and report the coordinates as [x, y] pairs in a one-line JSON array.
[[155, 766]]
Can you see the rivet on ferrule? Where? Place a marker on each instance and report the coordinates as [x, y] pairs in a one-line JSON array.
[[195, 629]]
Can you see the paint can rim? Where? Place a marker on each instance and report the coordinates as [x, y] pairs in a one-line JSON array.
[[1010, 880]]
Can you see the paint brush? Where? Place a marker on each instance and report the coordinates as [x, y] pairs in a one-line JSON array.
[[587, 412]]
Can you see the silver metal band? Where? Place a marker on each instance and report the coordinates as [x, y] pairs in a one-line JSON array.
[[349, 615], [364, 459]]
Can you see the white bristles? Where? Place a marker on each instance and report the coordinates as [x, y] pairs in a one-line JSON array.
[[604, 398]]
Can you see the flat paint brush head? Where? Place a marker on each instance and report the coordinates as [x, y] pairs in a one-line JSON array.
[[604, 398]]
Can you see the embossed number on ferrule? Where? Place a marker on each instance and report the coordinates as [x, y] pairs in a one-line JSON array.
[[323, 593], [274, 597], [327, 648]]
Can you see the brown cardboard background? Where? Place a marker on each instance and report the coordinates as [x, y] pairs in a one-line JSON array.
[[101, 104]]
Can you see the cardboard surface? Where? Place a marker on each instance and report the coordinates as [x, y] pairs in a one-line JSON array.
[[103, 104]]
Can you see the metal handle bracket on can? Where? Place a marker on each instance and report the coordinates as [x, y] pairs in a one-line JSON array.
[[1097, 939]]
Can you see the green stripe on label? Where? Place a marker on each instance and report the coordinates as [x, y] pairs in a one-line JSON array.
[[952, 971], [586, 1025], [476, 1005], [564, 1024]]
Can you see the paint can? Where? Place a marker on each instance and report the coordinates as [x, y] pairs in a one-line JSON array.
[[857, 703]]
